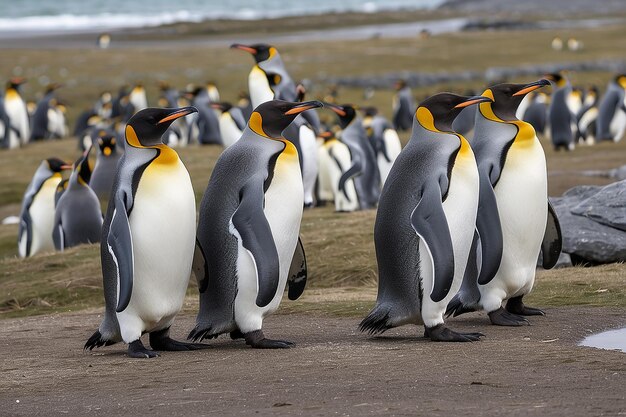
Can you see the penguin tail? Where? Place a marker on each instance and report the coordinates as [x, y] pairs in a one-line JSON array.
[[456, 307], [200, 333], [378, 320], [97, 340]]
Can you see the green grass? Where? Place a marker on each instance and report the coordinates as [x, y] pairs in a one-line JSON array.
[[339, 246]]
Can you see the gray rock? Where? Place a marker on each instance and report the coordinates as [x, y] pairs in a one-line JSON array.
[[608, 206]]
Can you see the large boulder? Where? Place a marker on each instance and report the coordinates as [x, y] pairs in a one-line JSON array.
[[593, 223]]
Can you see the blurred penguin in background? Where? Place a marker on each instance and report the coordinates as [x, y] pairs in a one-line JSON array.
[[46, 119], [587, 116], [561, 119], [611, 122], [403, 107], [16, 125]]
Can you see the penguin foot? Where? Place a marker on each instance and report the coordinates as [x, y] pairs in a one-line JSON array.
[[440, 333], [161, 340], [136, 349], [516, 306], [236, 334], [501, 317], [257, 340]]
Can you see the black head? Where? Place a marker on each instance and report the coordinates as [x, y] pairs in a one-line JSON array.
[[15, 82], [507, 97], [272, 117], [57, 165], [224, 106], [260, 51], [556, 78], [106, 141], [369, 111], [345, 112], [444, 108], [148, 125]]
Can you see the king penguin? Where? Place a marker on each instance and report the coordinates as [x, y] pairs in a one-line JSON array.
[[334, 161], [77, 217], [18, 129], [515, 219], [147, 239], [37, 216], [402, 107], [561, 120], [107, 159], [587, 117], [425, 223], [364, 167], [41, 122], [247, 241], [611, 122], [384, 140], [231, 122]]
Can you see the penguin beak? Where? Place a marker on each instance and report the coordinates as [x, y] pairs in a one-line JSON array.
[[66, 167], [473, 100], [337, 109], [304, 106], [532, 87], [177, 113], [244, 48], [217, 106]]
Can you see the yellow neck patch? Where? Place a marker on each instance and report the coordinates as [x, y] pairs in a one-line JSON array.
[[256, 124], [525, 131], [166, 156], [622, 82], [426, 119], [11, 94]]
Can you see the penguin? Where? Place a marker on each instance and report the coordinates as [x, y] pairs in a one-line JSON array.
[[248, 247], [403, 107], [37, 214], [86, 119], [364, 167], [18, 129], [57, 125], [270, 80], [515, 219], [206, 128], [334, 161], [231, 122], [147, 239], [561, 120], [104, 41], [587, 116], [46, 107], [137, 98], [425, 223], [611, 121], [384, 140], [537, 111], [121, 107], [104, 171], [77, 217]]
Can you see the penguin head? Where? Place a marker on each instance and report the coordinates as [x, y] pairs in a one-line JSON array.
[[106, 142], [620, 80], [52, 87], [507, 97], [57, 165], [345, 112], [15, 83], [399, 85], [147, 126], [556, 78], [272, 117], [82, 169], [327, 135], [223, 106], [260, 51], [438, 112]]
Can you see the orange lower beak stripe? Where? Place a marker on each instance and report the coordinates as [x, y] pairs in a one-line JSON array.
[[527, 90], [173, 116], [297, 110]]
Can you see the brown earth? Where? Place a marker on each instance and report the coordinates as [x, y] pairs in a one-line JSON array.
[[333, 370]]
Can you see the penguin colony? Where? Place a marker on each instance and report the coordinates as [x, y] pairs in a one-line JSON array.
[[450, 237]]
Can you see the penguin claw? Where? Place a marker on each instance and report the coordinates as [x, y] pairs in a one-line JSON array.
[[257, 340], [501, 317], [136, 349], [158, 341], [441, 333], [516, 306]]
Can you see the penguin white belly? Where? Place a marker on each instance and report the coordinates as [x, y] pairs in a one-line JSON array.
[[259, 87], [229, 130], [42, 215], [460, 207], [618, 125], [162, 225], [341, 152], [308, 145], [325, 189], [393, 148], [283, 210], [16, 110], [521, 194]]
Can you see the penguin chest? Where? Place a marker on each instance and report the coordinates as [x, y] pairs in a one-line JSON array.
[[229, 130], [16, 110], [522, 195], [42, 215], [162, 225], [259, 87]]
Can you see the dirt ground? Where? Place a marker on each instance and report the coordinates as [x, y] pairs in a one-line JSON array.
[[333, 370]]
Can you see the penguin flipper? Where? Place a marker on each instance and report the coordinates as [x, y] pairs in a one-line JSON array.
[[489, 230], [468, 297], [26, 226], [58, 236], [120, 245], [552, 240], [256, 236], [200, 268], [429, 222], [297, 272], [353, 171]]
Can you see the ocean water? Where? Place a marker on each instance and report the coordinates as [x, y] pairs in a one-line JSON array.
[[79, 15]]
